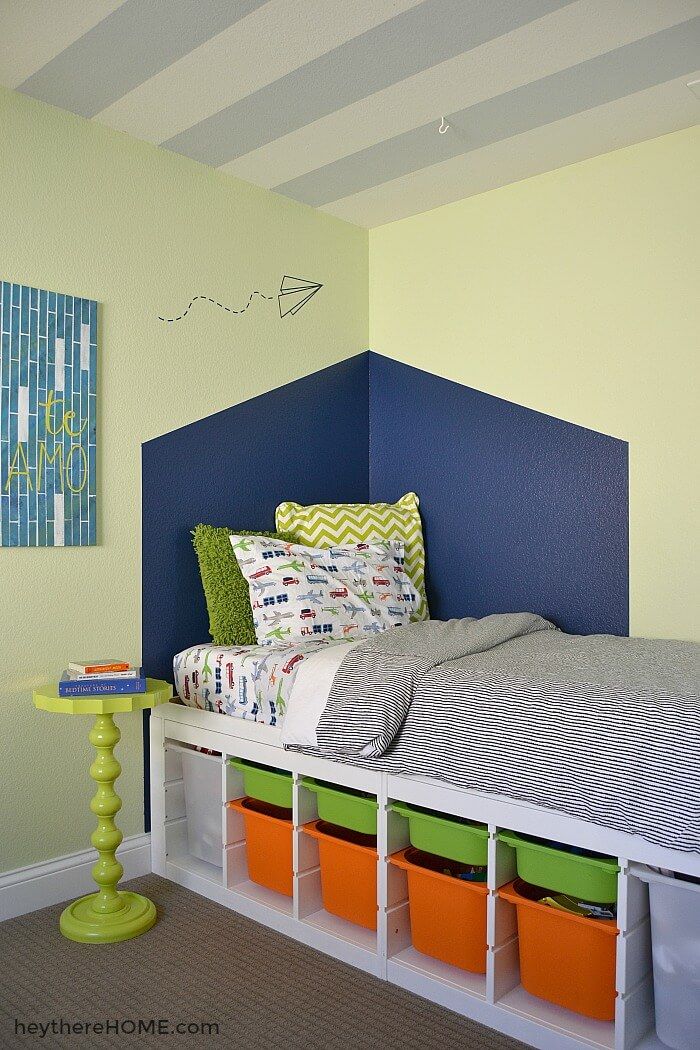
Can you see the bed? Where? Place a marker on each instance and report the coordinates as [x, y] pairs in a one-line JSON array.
[[522, 510], [596, 727], [342, 698]]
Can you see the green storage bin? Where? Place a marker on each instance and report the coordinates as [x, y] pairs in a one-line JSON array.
[[265, 783], [346, 807], [588, 878], [451, 837]]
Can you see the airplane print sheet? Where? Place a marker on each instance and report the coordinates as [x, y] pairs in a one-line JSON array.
[[253, 682]]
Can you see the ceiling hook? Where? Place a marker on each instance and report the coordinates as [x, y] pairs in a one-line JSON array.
[[443, 126]]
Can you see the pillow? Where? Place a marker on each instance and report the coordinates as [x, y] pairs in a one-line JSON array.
[[301, 594], [225, 587], [327, 524]]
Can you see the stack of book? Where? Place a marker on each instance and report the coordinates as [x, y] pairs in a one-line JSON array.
[[94, 677]]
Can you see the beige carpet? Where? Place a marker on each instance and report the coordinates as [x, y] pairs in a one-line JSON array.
[[203, 963]]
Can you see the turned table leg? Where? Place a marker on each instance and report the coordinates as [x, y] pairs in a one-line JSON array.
[[110, 914]]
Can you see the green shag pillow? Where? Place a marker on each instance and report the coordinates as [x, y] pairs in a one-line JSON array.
[[225, 587]]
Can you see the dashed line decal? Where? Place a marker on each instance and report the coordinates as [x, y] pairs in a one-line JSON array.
[[294, 293]]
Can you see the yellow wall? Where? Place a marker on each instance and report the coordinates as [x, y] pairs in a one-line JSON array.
[[91, 212], [575, 293]]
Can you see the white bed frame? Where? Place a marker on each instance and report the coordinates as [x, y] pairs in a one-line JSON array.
[[495, 999]]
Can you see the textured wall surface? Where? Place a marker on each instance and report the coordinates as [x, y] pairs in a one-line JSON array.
[[324, 415], [575, 293], [156, 229], [521, 511]]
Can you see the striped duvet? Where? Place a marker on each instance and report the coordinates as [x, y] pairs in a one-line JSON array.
[[602, 728]]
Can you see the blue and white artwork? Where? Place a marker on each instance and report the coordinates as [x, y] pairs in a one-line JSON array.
[[48, 394]]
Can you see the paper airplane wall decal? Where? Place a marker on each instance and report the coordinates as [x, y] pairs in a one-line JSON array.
[[294, 293]]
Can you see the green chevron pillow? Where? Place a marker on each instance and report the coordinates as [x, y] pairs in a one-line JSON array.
[[332, 524], [225, 586]]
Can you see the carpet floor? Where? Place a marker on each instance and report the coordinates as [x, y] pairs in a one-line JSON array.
[[203, 963]]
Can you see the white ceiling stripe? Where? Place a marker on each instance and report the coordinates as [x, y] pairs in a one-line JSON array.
[[550, 44], [656, 111], [32, 32], [270, 42]]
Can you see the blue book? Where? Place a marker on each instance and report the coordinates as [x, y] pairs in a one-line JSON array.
[[79, 687]]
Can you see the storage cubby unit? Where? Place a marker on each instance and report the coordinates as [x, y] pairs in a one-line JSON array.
[[237, 827], [635, 1017], [496, 997], [309, 889], [407, 965], [505, 964], [192, 801]]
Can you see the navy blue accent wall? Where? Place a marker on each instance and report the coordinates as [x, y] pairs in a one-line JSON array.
[[306, 441], [520, 510]]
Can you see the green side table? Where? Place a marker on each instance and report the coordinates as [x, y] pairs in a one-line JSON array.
[[110, 914]]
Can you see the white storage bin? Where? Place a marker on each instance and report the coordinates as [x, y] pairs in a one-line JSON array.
[[674, 905], [203, 801]]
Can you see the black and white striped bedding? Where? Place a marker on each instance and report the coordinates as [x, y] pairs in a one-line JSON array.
[[602, 728]]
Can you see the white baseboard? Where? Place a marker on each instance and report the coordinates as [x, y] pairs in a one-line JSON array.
[[61, 879]]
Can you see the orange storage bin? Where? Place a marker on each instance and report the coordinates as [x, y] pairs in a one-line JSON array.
[[348, 862], [567, 959], [448, 914], [268, 832]]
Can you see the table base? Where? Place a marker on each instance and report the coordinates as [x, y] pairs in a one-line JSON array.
[[80, 921]]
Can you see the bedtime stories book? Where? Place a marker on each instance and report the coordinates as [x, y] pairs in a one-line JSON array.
[[80, 687]]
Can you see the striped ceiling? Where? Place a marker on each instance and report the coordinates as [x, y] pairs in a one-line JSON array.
[[337, 104]]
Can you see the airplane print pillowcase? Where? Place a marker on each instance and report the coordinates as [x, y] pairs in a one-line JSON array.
[[303, 594]]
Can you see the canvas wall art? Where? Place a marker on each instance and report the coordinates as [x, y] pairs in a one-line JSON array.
[[48, 431]]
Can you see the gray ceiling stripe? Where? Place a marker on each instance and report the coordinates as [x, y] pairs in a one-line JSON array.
[[419, 38], [135, 42], [645, 63]]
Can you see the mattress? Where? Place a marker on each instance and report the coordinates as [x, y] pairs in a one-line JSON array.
[[252, 682]]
